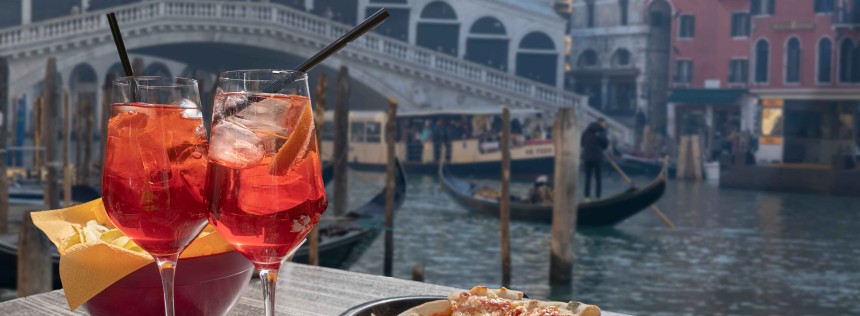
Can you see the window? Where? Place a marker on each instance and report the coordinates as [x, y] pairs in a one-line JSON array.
[[740, 24], [687, 28], [588, 58], [589, 10], [762, 60], [622, 8], [328, 131], [657, 19], [622, 58], [374, 132], [823, 6], [825, 60], [846, 50], [762, 7], [792, 61], [357, 132], [738, 70], [683, 71]]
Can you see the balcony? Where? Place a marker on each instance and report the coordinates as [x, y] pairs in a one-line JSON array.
[[846, 17]]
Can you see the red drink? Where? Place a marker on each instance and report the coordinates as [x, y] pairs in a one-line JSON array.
[[155, 166], [263, 213]]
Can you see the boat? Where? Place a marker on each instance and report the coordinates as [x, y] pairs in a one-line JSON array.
[[24, 192], [641, 163], [343, 240], [605, 212], [340, 240], [469, 150]]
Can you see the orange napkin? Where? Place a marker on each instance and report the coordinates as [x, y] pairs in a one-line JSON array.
[[93, 256]]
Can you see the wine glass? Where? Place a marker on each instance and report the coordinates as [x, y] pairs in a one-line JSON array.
[[155, 168], [264, 186]]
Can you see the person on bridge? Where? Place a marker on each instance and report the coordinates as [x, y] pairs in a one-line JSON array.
[[594, 142]]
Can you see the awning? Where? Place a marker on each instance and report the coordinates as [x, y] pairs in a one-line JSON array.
[[706, 96]]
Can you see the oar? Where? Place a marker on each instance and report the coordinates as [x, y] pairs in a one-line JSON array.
[[630, 181]]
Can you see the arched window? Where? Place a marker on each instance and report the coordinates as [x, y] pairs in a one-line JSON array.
[[488, 43], [537, 58], [825, 60], [438, 28], [846, 60], [792, 61], [588, 58], [762, 61], [488, 25], [621, 58], [438, 10]]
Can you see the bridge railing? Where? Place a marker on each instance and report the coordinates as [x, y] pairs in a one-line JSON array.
[[395, 51]]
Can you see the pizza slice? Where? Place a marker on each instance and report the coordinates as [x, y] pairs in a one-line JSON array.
[[482, 301]]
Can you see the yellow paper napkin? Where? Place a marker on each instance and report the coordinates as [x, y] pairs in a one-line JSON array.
[[89, 266]]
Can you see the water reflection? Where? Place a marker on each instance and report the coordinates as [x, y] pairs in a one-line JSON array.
[[733, 252]]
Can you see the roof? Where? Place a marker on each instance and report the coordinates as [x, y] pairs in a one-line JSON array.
[[536, 6], [706, 96]]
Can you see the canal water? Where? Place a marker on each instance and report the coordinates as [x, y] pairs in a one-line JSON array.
[[733, 252]]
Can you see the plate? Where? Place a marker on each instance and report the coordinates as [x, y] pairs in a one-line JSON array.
[[390, 306]]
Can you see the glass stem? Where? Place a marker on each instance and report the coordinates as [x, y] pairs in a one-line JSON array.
[[167, 269], [269, 278]]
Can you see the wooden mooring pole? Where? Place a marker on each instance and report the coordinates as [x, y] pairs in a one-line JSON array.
[[34, 259], [37, 137], [50, 107], [67, 167], [390, 131], [319, 119], [339, 152], [4, 146], [505, 198], [566, 142]]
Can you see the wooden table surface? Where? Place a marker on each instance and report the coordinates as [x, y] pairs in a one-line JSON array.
[[302, 290]]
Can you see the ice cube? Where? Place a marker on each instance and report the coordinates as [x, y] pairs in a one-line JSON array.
[[234, 146], [192, 110], [269, 111], [269, 134]]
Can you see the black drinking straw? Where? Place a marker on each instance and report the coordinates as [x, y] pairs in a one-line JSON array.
[[365, 26], [123, 54], [120, 46]]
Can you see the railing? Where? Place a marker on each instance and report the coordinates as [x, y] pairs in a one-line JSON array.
[[391, 50]]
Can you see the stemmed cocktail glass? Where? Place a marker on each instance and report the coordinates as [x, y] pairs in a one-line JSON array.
[[264, 185], [155, 167]]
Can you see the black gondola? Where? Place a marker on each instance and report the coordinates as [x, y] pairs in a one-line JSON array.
[[606, 212], [327, 172], [340, 241]]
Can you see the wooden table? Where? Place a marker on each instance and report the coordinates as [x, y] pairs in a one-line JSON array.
[[302, 290]]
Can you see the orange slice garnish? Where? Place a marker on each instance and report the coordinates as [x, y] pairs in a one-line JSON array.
[[296, 144]]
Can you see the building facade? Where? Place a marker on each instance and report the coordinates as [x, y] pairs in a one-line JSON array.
[[619, 56], [783, 71], [710, 71]]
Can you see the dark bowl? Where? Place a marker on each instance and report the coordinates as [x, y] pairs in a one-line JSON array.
[[390, 306], [207, 285]]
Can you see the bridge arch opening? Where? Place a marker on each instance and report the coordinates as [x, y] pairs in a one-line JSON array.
[[157, 69], [397, 25], [488, 43], [438, 28], [537, 58]]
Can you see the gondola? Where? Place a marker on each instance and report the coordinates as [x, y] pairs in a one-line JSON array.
[[341, 241], [606, 212]]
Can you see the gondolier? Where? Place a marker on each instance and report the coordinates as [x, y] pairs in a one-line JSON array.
[[594, 142]]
